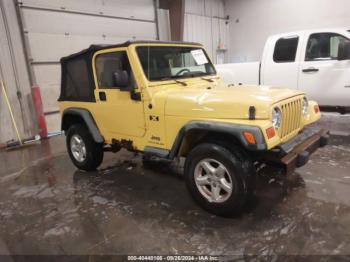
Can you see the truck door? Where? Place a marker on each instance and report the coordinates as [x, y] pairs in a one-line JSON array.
[[116, 113], [322, 75], [280, 63]]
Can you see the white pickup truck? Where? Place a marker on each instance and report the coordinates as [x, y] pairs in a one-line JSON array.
[[314, 61]]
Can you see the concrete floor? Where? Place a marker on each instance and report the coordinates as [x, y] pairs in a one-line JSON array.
[[48, 207]]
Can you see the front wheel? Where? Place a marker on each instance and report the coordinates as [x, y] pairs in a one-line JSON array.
[[84, 152], [220, 179]]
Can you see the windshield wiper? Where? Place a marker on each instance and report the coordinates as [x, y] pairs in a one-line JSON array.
[[208, 79], [201, 74], [180, 82], [177, 81]]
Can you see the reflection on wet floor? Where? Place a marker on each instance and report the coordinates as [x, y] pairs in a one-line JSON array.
[[48, 207]]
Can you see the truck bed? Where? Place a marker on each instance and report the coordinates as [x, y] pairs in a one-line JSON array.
[[239, 73]]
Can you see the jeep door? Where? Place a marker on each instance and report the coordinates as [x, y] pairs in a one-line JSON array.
[[117, 113]]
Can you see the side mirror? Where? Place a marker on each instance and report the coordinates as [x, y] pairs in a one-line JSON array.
[[121, 80], [344, 51]]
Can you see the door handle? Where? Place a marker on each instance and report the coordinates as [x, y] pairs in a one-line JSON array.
[[102, 96], [310, 70]]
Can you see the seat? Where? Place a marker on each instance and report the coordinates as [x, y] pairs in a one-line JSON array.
[[109, 68]]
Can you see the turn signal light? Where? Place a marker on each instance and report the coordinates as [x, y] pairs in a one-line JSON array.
[[316, 109], [270, 132], [249, 137]]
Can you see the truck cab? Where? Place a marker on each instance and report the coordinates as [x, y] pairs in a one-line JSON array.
[[314, 61]]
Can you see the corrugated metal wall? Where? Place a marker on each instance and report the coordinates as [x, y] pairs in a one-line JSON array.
[[205, 22], [57, 28], [164, 25]]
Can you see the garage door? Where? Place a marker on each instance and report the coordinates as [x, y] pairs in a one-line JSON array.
[[58, 28]]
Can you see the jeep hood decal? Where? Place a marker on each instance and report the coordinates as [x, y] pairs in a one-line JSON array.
[[224, 102]]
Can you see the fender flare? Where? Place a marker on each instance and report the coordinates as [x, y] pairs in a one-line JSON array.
[[88, 119], [236, 130]]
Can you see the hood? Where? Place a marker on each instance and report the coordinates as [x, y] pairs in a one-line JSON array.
[[224, 102]]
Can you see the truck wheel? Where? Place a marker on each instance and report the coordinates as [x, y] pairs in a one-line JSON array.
[[84, 152], [219, 179]]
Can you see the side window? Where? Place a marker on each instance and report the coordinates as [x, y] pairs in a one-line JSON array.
[[324, 46], [76, 85], [286, 50], [110, 64]]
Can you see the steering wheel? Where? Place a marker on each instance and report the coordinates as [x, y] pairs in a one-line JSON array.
[[182, 71]]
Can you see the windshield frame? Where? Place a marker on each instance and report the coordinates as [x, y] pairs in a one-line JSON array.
[[184, 77]]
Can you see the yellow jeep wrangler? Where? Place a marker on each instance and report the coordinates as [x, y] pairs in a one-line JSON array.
[[164, 99]]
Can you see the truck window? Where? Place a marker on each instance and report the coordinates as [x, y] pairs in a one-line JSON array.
[[323, 46], [108, 64], [286, 49]]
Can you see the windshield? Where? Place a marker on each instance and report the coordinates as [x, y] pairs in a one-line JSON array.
[[172, 62]]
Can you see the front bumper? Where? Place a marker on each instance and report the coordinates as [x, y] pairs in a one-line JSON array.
[[296, 152]]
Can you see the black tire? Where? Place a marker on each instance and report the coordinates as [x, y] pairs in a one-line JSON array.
[[240, 169], [94, 151]]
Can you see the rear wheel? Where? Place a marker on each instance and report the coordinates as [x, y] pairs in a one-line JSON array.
[[84, 152], [220, 179]]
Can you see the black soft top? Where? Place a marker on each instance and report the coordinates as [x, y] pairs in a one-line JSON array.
[[94, 48], [77, 82]]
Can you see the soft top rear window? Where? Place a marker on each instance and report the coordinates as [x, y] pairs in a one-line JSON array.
[[76, 80]]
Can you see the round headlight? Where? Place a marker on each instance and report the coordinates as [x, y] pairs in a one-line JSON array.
[[305, 106], [276, 118]]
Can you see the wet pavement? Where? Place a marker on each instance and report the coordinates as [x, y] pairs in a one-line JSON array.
[[48, 207]]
